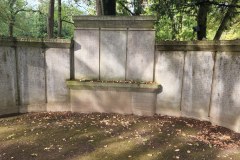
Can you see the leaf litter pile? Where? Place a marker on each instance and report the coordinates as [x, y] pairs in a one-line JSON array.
[[74, 136]]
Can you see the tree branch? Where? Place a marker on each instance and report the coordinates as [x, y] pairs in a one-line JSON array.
[[63, 20], [27, 10], [218, 4], [126, 8]]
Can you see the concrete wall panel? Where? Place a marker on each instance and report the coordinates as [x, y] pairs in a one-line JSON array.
[[86, 54], [197, 84], [140, 55], [225, 106], [113, 54], [144, 104], [87, 101], [8, 88], [169, 73], [58, 71], [31, 64]]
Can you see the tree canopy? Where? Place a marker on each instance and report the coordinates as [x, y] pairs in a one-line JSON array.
[[176, 19]]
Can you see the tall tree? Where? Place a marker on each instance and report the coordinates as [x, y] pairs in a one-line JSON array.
[[138, 7], [229, 14], [202, 19], [59, 18], [99, 7], [10, 11], [12, 17], [106, 7], [131, 7], [50, 28]]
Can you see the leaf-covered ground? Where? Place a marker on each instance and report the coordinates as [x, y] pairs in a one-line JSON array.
[[72, 136]]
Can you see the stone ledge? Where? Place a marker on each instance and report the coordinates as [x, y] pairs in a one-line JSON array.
[[150, 88], [30, 42], [225, 46], [138, 99], [114, 21]]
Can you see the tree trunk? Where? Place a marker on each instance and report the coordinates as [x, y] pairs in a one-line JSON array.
[[202, 21], [225, 21], [12, 18], [109, 7], [138, 7], [50, 19], [59, 18], [10, 29], [99, 7]]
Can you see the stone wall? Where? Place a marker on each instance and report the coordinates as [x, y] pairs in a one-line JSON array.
[[114, 48], [200, 80], [8, 83], [33, 75]]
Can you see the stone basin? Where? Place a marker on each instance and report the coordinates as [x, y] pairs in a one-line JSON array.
[[106, 97]]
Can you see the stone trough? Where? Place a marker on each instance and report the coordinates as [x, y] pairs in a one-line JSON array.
[[123, 98]]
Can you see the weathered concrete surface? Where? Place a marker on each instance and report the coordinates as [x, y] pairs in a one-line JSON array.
[[169, 73], [31, 65], [225, 106], [86, 54], [140, 55], [113, 97], [37, 107], [58, 106], [58, 71], [197, 84], [114, 21], [8, 88], [144, 104], [113, 54], [110, 101], [86, 101], [213, 46], [35, 42]]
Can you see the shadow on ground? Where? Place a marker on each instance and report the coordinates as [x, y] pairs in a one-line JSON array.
[[114, 137]]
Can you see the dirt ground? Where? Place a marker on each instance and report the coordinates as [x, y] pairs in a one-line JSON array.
[[73, 136]]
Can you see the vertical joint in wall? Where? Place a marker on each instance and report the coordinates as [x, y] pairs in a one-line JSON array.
[[43, 47], [18, 96], [154, 62], [126, 55], [99, 52], [214, 54], [183, 76], [72, 69]]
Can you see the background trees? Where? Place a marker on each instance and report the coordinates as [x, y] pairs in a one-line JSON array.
[[176, 19], [11, 12]]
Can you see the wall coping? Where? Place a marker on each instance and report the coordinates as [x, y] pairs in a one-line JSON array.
[[81, 85], [225, 46], [114, 21], [31, 42]]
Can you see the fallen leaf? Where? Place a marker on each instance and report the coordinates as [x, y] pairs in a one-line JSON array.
[[149, 155]]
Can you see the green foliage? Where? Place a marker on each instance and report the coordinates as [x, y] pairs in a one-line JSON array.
[[68, 11], [33, 22], [10, 13], [175, 18]]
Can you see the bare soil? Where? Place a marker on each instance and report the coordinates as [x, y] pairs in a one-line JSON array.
[[73, 136]]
